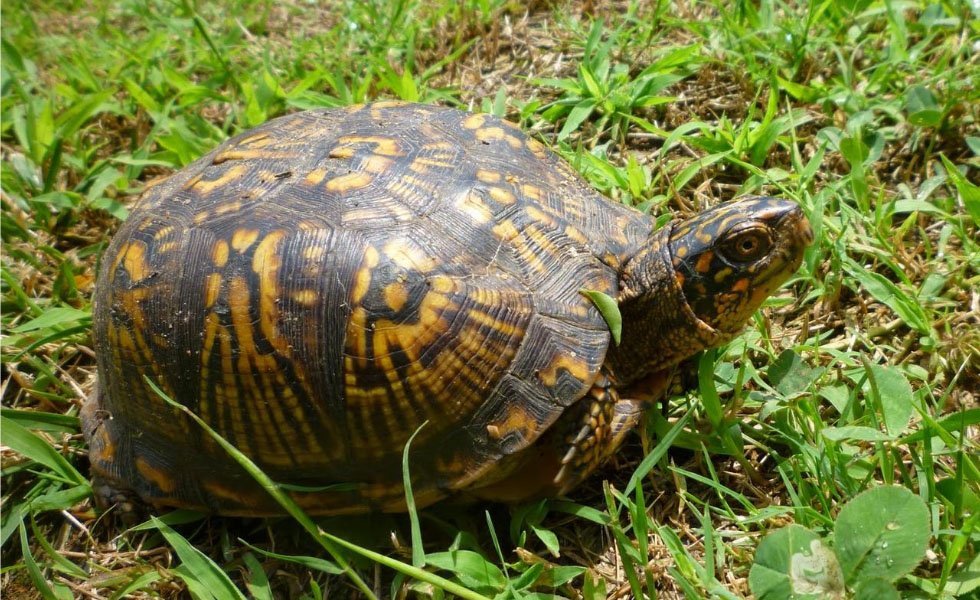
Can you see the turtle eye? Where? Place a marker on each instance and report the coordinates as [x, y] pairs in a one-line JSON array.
[[747, 246]]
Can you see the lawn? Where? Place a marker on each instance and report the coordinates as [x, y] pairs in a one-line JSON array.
[[831, 450]]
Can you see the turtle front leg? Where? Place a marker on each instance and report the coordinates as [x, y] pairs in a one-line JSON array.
[[585, 436], [593, 430]]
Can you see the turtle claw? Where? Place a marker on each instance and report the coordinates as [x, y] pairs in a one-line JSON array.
[[124, 504]]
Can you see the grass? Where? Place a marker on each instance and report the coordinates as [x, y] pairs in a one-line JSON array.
[[862, 372]]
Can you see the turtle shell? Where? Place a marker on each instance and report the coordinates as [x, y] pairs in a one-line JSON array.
[[324, 286]]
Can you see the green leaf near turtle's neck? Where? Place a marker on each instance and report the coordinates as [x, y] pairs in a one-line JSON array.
[[609, 310]]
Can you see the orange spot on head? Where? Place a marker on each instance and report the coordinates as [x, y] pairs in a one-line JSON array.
[[703, 265]]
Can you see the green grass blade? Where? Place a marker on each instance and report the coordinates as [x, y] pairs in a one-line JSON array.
[[24, 442], [327, 540], [418, 550], [199, 565]]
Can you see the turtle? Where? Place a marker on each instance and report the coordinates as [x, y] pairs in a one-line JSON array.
[[327, 287]]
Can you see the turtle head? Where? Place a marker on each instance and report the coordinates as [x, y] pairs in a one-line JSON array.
[[698, 281], [729, 259]]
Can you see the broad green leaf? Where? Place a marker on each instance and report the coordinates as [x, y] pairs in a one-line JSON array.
[[921, 106], [473, 570], [609, 310], [881, 533], [895, 394], [791, 376], [549, 539], [875, 589], [793, 562]]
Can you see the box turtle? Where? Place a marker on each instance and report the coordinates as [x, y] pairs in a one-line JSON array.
[[318, 288]]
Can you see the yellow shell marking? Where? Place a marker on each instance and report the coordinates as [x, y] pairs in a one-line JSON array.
[[488, 134], [531, 191], [243, 238], [212, 287], [228, 175], [536, 148], [305, 297], [422, 164], [472, 204], [265, 263], [349, 182], [133, 256], [577, 367], [362, 279], [409, 256], [342, 152], [488, 176], [163, 232], [316, 176], [258, 140], [166, 247], [219, 253], [502, 196], [474, 121], [375, 163], [396, 295], [163, 480], [382, 145], [245, 154]]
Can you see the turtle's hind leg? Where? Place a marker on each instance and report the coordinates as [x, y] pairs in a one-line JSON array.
[[108, 491]]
